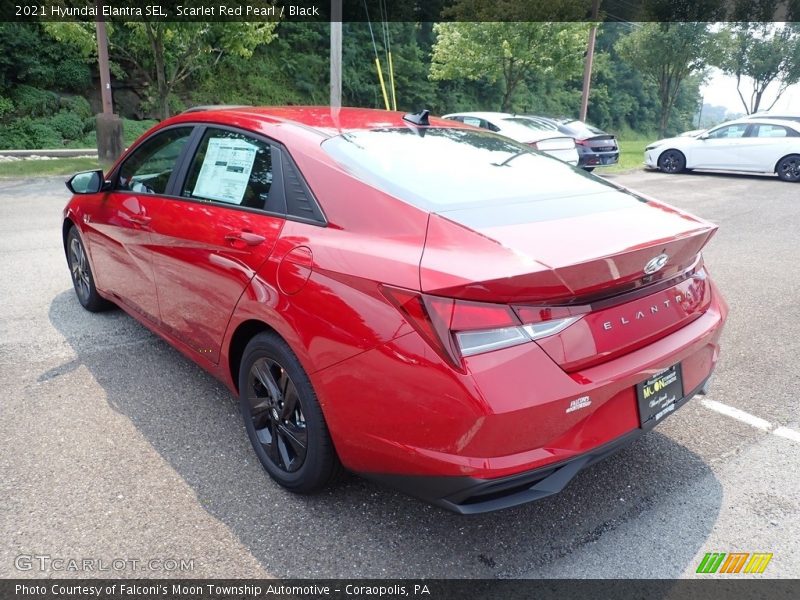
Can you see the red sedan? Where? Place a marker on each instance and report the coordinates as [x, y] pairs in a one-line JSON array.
[[429, 305]]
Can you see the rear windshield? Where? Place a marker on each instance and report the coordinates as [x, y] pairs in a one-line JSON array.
[[537, 125], [579, 129], [440, 168]]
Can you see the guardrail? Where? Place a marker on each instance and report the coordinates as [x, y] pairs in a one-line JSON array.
[[51, 153]]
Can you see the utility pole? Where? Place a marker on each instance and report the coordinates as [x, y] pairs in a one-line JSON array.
[[587, 68], [336, 53], [108, 125]]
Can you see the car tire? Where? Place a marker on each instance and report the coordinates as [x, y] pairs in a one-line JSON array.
[[588, 169], [788, 168], [672, 161], [283, 418], [81, 272]]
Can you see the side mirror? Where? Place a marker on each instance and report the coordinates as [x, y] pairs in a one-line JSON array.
[[702, 136], [88, 182]]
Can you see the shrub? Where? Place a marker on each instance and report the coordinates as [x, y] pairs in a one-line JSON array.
[[68, 124], [74, 75], [44, 135], [14, 136], [6, 106], [132, 130], [34, 102], [77, 105]]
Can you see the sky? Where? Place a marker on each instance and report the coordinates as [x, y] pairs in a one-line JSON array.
[[720, 90]]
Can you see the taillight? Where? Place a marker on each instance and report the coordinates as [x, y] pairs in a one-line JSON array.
[[582, 142], [459, 328], [533, 145]]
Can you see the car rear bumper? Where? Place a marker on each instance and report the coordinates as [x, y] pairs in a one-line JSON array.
[[471, 495], [591, 158], [397, 415]]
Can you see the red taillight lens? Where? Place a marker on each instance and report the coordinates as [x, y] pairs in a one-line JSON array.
[[459, 328], [481, 315], [430, 318], [533, 145], [538, 314], [582, 142]]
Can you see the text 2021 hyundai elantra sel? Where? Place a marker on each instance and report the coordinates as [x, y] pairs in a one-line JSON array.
[[427, 304]]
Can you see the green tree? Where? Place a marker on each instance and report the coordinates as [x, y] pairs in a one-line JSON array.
[[166, 54], [666, 54], [759, 54], [508, 53]]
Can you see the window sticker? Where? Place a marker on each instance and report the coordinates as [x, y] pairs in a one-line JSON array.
[[226, 170]]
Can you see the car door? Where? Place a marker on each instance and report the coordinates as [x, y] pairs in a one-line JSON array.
[[723, 148], [119, 229], [767, 143], [209, 238]]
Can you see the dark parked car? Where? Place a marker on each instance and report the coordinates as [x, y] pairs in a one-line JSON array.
[[596, 148]]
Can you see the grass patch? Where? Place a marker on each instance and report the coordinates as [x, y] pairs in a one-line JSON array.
[[39, 168], [631, 156]]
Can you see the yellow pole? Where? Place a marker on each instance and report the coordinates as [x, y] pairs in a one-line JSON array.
[[383, 85], [391, 80]]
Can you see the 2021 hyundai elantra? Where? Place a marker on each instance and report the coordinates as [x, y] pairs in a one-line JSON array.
[[750, 145], [424, 303]]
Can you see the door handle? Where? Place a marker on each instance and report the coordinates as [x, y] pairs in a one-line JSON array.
[[137, 218], [249, 238]]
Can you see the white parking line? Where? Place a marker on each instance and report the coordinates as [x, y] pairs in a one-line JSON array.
[[752, 420], [789, 434]]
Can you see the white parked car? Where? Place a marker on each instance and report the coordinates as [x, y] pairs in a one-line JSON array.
[[780, 115], [751, 145], [524, 130]]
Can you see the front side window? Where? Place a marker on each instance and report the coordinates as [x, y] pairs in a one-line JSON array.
[[148, 169], [232, 168], [731, 131]]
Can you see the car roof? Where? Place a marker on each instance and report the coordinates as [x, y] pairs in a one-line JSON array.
[[485, 115], [760, 121], [772, 115], [324, 120]]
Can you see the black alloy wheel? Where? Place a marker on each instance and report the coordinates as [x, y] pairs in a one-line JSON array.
[[282, 417], [671, 161], [789, 168], [276, 412], [81, 272]]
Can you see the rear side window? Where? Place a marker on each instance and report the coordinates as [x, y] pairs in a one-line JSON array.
[[769, 131], [580, 130], [148, 169], [231, 168]]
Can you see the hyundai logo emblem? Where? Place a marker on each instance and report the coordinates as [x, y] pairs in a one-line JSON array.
[[656, 264]]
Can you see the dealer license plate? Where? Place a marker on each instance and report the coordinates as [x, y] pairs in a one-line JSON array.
[[658, 396]]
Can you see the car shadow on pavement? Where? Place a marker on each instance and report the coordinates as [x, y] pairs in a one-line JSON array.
[[360, 529], [723, 175]]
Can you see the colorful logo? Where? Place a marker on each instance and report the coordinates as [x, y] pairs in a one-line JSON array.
[[734, 562]]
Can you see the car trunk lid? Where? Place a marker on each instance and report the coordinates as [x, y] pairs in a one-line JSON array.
[[557, 248]]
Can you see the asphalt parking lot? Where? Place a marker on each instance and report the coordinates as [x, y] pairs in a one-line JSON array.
[[112, 445]]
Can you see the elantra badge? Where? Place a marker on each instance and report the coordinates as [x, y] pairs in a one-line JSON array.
[[656, 264]]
